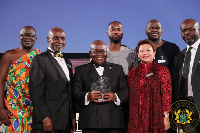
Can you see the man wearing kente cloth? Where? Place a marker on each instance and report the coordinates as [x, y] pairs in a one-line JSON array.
[[15, 104]]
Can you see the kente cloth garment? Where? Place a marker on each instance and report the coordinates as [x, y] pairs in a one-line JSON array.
[[17, 98], [150, 96]]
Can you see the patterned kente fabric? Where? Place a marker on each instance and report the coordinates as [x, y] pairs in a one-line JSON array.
[[150, 96], [17, 98]]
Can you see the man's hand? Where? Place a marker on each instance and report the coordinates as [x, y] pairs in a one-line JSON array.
[[5, 117], [48, 124], [166, 123], [94, 96], [74, 126], [109, 97]]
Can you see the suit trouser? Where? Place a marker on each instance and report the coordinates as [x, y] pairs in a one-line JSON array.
[[102, 130], [54, 131]]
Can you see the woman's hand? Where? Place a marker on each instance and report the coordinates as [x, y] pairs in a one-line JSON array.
[[166, 123]]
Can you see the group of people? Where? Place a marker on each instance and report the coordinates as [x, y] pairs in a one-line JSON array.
[[120, 90]]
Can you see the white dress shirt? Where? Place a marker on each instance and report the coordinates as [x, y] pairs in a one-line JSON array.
[[62, 63], [193, 54], [100, 70]]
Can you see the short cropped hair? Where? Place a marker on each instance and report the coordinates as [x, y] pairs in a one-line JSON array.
[[114, 22], [146, 41]]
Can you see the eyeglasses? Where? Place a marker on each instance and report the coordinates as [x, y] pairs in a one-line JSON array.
[[97, 52], [28, 35], [147, 50]]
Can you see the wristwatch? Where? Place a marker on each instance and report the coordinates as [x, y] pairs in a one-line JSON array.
[[167, 116]]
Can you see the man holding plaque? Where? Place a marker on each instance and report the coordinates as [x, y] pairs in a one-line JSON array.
[[100, 89]]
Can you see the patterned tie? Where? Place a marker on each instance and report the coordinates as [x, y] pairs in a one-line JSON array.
[[58, 55], [187, 63]]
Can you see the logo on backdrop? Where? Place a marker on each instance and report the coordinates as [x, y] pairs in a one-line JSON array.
[[185, 116]]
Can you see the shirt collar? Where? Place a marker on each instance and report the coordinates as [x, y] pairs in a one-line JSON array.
[[195, 45], [52, 50]]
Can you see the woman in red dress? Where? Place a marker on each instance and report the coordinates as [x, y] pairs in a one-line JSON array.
[[150, 93]]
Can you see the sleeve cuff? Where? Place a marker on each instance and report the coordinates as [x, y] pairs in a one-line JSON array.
[[117, 102], [86, 100]]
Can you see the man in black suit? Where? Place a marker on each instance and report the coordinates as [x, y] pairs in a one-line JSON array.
[[99, 115], [50, 88], [186, 70]]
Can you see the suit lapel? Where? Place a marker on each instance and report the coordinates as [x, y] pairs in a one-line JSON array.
[[107, 70], [196, 60], [181, 61], [93, 72], [58, 67], [69, 67]]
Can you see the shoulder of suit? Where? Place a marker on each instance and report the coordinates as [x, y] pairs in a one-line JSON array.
[[83, 66], [183, 51]]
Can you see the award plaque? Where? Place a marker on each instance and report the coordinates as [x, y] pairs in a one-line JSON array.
[[102, 85]]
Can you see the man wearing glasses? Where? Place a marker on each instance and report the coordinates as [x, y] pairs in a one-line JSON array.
[[16, 106], [101, 90]]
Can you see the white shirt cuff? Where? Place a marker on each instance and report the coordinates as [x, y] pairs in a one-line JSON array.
[[117, 102], [86, 100]]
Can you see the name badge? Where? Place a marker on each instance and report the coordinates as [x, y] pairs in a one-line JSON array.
[[148, 75], [161, 61]]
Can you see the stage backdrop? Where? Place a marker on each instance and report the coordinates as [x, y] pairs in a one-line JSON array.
[[87, 20]]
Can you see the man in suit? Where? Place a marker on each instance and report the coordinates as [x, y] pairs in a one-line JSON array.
[[186, 70], [50, 87], [99, 115]]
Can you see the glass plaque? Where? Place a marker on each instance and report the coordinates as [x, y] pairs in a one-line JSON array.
[[102, 85]]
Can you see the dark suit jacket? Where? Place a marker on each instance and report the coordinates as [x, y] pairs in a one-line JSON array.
[[177, 73], [50, 92], [100, 115]]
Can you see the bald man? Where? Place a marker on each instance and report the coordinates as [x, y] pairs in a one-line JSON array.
[[165, 51], [50, 87], [186, 70], [100, 112]]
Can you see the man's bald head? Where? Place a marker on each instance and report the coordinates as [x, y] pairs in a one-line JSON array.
[[98, 52], [55, 29], [153, 21], [97, 43], [191, 21], [27, 27]]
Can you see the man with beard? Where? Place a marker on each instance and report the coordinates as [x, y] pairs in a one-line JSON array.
[[165, 51], [100, 112], [186, 70], [118, 53], [16, 106]]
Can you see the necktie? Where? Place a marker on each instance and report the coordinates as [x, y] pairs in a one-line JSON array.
[[58, 55], [187, 63], [184, 79]]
